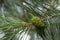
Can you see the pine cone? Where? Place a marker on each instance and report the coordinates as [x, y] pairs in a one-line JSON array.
[[38, 22]]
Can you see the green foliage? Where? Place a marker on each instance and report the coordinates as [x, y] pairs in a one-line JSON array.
[[17, 24]]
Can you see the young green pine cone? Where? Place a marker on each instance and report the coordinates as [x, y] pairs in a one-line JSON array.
[[38, 22]]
